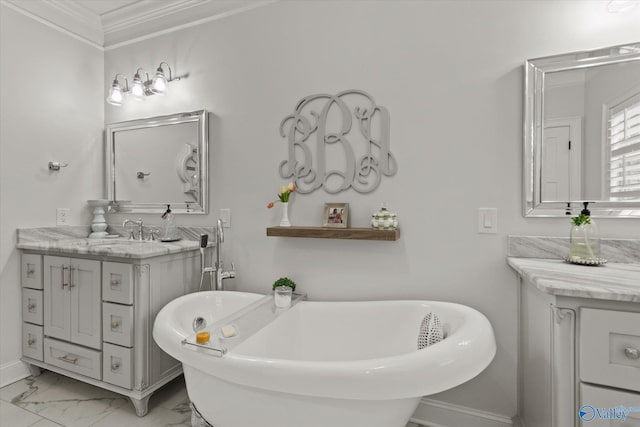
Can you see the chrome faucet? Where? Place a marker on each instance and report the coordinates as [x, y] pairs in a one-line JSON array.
[[218, 268], [140, 228]]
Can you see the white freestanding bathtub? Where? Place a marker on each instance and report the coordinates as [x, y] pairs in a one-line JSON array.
[[324, 364]]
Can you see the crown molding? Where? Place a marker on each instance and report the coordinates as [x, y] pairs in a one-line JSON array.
[[136, 21], [144, 11], [150, 18]]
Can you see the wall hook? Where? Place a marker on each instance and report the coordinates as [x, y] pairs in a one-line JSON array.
[[55, 166], [141, 174]]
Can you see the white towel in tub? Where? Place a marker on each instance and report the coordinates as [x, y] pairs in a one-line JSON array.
[[430, 331]]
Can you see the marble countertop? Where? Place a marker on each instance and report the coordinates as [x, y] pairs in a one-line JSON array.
[[67, 241], [613, 281]]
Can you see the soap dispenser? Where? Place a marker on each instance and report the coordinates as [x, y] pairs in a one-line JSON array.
[[585, 242], [168, 230]]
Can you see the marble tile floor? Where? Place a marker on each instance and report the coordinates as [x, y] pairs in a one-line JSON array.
[[52, 400]]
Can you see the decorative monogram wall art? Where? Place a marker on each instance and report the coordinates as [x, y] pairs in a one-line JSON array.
[[326, 149]]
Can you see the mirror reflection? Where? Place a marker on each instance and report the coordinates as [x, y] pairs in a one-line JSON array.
[[159, 161], [582, 132]]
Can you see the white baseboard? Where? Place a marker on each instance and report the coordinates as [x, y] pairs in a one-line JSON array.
[[13, 371], [433, 413]]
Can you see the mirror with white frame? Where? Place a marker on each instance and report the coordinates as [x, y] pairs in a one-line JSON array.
[[158, 161], [582, 133]]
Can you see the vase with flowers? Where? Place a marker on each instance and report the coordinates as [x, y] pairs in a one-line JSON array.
[[283, 197]]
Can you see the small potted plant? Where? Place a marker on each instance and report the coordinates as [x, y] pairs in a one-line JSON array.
[[284, 281], [282, 290]]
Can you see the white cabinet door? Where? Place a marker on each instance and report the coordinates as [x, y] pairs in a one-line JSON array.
[[57, 298], [86, 302], [72, 300]]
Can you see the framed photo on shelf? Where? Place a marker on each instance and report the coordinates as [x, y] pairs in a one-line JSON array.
[[335, 215]]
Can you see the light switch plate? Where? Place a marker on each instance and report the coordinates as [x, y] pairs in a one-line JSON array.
[[488, 220]]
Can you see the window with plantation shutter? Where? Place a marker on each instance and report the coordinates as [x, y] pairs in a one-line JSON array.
[[624, 149]]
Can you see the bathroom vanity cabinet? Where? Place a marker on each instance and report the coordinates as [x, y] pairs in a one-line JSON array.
[[88, 313], [579, 338]]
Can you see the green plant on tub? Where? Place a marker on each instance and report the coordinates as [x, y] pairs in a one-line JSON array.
[[285, 281]]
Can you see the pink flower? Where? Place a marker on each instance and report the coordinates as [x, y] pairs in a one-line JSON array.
[[270, 205]]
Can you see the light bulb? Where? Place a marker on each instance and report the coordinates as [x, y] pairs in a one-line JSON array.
[[159, 83], [137, 88], [115, 94]]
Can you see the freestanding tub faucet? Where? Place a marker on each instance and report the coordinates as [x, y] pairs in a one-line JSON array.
[[219, 269]]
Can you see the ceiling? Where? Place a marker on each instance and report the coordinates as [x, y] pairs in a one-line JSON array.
[[111, 23]]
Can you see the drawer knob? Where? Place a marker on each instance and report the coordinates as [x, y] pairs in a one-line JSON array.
[[115, 283], [115, 325], [115, 366], [31, 342], [632, 353], [31, 306]]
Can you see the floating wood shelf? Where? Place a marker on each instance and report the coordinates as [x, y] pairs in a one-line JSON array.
[[334, 233]]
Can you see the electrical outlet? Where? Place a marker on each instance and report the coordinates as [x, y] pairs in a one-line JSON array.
[[62, 216], [225, 216]]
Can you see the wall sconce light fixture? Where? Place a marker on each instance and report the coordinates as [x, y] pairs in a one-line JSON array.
[[116, 93], [139, 87]]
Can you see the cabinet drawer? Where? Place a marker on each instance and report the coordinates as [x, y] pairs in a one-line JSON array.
[[32, 341], [117, 324], [596, 402], [610, 348], [32, 310], [73, 358], [118, 365], [117, 282], [31, 271]]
